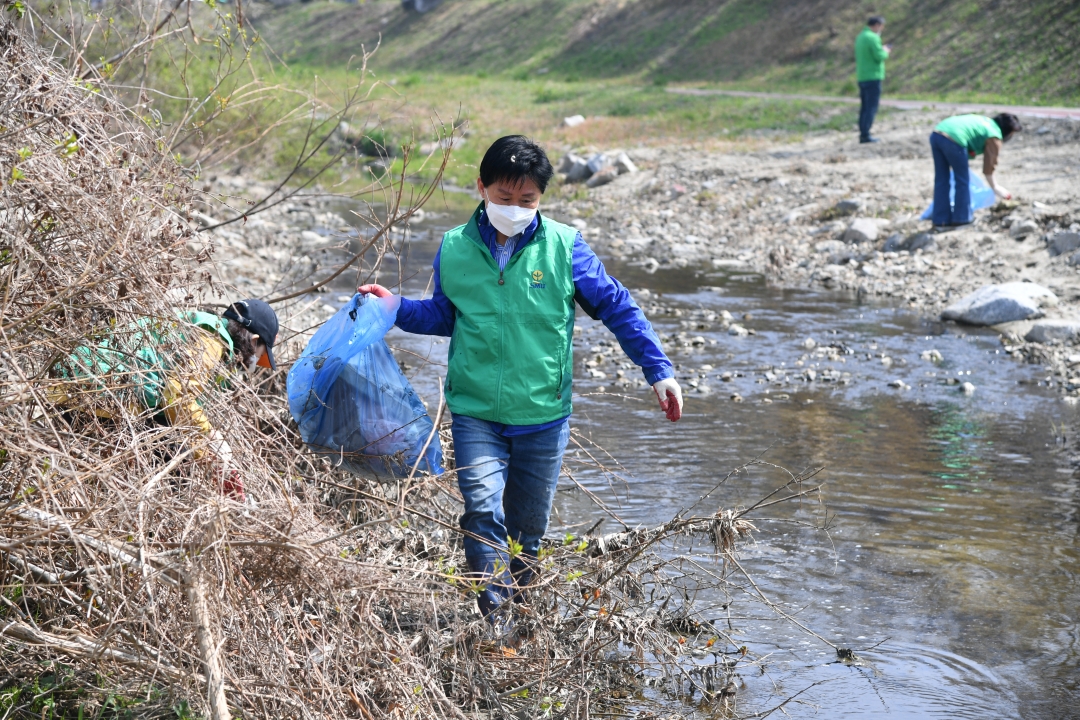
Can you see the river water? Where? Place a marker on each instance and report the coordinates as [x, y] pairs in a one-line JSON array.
[[953, 548]]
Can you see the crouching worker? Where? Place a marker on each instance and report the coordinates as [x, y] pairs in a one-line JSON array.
[[954, 141], [168, 368], [505, 284]]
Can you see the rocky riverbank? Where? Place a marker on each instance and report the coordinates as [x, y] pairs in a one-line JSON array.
[[828, 212]]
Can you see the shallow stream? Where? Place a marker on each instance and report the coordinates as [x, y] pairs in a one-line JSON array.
[[953, 549]]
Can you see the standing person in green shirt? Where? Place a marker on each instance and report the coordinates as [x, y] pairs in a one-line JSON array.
[[870, 57]]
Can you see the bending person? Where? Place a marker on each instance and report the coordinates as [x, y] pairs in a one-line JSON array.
[[173, 386], [954, 141], [505, 284]]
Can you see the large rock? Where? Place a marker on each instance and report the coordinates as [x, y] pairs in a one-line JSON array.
[[624, 164], [861, 230], [598, 162], [568, 161], [1045, 331], [579, 170], [1007, 302], [603, 177], [1064, 242]]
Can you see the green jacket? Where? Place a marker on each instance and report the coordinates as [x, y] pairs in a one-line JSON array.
[[869, 56], [511, 352], [970, 131]]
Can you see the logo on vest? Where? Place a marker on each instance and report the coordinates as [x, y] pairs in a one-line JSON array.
[[537, 280]]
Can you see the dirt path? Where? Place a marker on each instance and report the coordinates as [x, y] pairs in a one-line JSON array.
[[1059, 113]]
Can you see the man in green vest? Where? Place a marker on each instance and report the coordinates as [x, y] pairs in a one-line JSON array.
[[870, 57], [505, 287]]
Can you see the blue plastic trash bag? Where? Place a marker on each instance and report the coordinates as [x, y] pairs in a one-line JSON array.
[[981, 195], [351, 400]]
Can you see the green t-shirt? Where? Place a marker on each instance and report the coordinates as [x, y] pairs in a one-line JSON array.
[[869, 56], [970, 131]]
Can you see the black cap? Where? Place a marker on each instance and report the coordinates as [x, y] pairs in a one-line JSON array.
[[259, 319]]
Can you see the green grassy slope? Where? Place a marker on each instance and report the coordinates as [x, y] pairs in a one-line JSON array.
[[1008, 50]]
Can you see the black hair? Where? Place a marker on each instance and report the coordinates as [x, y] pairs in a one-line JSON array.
[[243, 343], [1008, 123], [876, 20], [514, 158]]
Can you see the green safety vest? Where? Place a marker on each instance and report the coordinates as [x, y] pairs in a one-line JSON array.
[[511, 354], [132, 356]]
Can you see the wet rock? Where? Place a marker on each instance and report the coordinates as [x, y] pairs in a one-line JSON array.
[[848, 207], [603, 177], [994, 304], [736, 398], [738, 330], [1022, 229], [899, 384], [967, 388], [1064, 242], [931, 355], [809, 343], [573, 121], [810, 374], [1045, 331], [624, 164], [861, 230]]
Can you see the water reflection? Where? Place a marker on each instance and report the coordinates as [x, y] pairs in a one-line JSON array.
[[954, 539]]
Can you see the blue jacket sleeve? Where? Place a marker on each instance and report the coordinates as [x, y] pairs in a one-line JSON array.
[[428, 317], [604, 298]]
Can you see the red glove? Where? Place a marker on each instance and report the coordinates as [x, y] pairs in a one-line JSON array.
[[377, 290], [233, 486], [669, 394]]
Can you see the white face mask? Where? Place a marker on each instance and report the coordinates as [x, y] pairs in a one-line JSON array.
[[509, 219]]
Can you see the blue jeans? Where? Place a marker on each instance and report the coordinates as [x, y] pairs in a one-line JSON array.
[[870, 94], [948, 154], [508, 484]]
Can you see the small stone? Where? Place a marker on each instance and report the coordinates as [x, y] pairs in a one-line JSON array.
[[887, 361], [698, 340], [894, 243], [736, 398], [921, 241], [861, 230], [809, 343], [578, 170], [573, 120], [726, 376], [810, 374], [1022, 229], [1064, 242], [847, 207], [898, 383], [931, 355], [737, 330], [967, 388]]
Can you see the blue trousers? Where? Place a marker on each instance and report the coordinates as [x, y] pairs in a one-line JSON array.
[[948, 154], [508, 484], [870, 95]]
